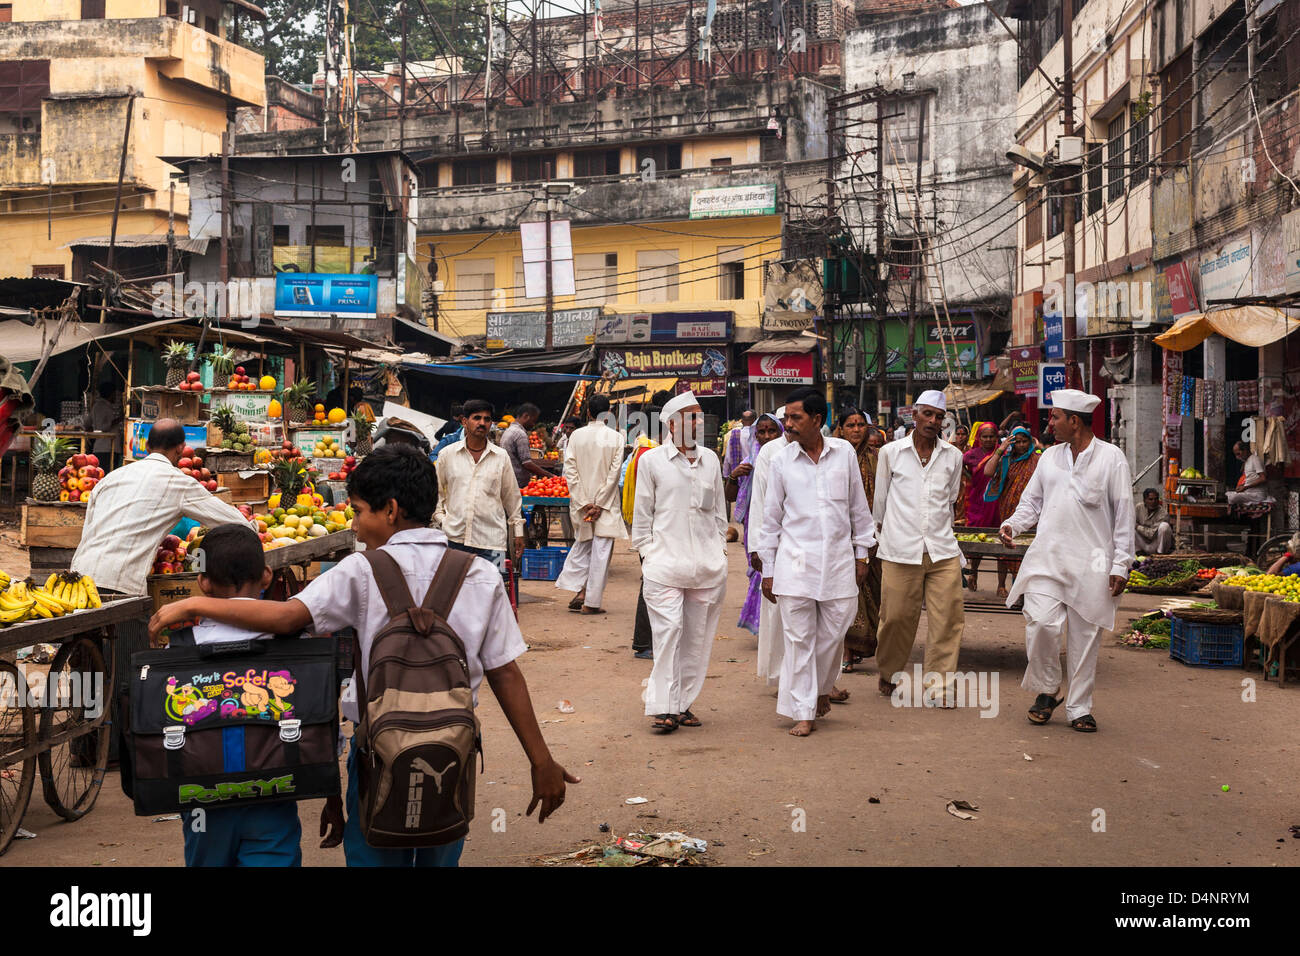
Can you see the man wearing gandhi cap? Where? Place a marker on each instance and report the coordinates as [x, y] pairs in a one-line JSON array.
[[1081, 499], [917, 482], [679, 526]]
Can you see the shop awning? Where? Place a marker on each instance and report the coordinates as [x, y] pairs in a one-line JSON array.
[[183, 243], [784, 343], [492, 374], [20, 342], [1250, 325], [632, 389]]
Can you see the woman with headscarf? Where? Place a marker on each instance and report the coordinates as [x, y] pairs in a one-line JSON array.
[[860, 643], [1009, 469], [876, 438], [980, 512], [961, 438], [741, 480]]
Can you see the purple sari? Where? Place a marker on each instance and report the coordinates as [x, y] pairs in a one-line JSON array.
[[979, 513], [740, 512]]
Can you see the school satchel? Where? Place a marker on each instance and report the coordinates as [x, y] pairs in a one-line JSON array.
[[235, 723], [418, 735]]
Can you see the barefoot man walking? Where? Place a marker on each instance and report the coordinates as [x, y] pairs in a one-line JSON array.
[[817, 536], [1081, 499]]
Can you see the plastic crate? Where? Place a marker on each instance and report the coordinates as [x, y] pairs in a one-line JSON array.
[[542, 564], [1206, 645]]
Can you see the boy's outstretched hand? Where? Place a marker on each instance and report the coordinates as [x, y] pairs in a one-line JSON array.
[[168, 616], [548, 788], [331, 823]]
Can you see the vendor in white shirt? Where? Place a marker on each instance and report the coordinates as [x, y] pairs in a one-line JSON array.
[[917, 482], [816, 540], [679, 525], [1252, 485], [132, 509], [1081, 499]]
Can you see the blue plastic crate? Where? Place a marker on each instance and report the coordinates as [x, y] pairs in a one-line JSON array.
[[542, 564], [1206, 645]]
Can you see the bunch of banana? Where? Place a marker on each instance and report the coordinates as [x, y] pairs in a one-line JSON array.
[[16, 603], [4, 580], [75, 592]]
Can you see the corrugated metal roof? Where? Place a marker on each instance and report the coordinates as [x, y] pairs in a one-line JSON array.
[[183, 243]]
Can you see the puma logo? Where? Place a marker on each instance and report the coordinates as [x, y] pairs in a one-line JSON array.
[[420, 764]]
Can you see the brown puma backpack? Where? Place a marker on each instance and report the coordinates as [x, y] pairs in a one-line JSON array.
[[418, 733]]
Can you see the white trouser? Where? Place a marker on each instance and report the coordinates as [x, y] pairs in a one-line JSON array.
[[1162, 540], [684, 622], [1047, 620], [586, 568], [814, 650]]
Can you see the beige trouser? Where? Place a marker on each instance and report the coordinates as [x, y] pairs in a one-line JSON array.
[[903, 587]]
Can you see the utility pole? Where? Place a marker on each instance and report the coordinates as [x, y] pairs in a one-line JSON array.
[[918, 258], [882, 297], [401, 108], [1070, 187], [121, 174], [550, 285], [171, 226]]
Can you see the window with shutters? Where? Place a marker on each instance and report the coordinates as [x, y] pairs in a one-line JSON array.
[[473, 172], [1115, 158], [525, 169], [595, 277], [474, 282], [92, 9], [731, 272], [595, 162], [657, 274], [1034, 217], [1175, 127], [1096, 161], [665, 156], [1139, 138]]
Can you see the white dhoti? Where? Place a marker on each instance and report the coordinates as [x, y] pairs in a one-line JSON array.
[[1047, 620], [684, 622], [814, 650], [771, 642], [586, 568], [1161, 541]]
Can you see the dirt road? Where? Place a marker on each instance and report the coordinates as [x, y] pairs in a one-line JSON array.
[[1147, 789]]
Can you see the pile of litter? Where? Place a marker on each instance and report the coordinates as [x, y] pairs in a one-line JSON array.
[[637, 849]]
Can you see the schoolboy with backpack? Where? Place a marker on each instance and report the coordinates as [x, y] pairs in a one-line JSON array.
[[431, 623]]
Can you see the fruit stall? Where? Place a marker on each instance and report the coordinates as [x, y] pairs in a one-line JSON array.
[[55, 713], [985, 543], [545, 500]]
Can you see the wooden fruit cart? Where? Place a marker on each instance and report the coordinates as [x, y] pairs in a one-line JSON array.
[[65, 729], [994, 549]]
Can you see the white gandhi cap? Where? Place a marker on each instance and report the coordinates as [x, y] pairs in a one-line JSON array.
[[1073, 400], [933, 398], [679, 402]]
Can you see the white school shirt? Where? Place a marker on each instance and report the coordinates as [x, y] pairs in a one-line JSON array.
[[679, 520], [593, 463], [130, 512], [347, 596], [913, 510], [476, 499], [208, 631], [1084, 511], [815, 522]]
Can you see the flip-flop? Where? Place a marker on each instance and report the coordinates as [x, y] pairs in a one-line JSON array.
[[1044, 704], [665, 723], [1086, 724], [591, 610], [687, 719]]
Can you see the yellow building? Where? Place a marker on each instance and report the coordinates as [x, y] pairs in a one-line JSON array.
[[69, 72]]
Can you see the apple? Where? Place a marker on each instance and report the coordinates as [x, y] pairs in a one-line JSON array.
[[205, 473], [185, 463], [66, 471], [92, 460], [79, 461], [197, 461], [350, 460], [210, 484], [187, 452], [87, 484]]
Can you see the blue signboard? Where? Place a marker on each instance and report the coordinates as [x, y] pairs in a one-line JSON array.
[[689, 327], [1053, 335], [1051, 377], [138, 433], [311, 295]]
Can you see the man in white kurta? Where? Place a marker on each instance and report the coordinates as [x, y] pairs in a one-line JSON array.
[[771, 643], [679, 525], [1081, 499], [816, 539], [593, 461]]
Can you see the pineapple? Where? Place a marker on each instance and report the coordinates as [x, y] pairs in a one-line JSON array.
[[47, 453], [176, 356], [222, 361], [364, 426], [223, 417], [289, 477], [298, 400]]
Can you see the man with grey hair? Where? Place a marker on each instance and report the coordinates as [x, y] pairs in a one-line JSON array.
[[917, 482]]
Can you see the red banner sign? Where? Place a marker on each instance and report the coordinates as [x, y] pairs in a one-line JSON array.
[[781, 368], [1182, 294]]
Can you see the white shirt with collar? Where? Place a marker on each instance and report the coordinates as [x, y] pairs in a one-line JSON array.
[[347, 596], [816, 522], [476, 499], [679, 520], [130, 512], [914, 504]]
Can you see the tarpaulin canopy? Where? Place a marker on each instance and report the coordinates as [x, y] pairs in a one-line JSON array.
[[1251, 325]]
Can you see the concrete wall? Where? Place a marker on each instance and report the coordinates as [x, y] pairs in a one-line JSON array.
[[969, 62]]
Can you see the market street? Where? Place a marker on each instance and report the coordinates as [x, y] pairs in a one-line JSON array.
[[1171, 737]]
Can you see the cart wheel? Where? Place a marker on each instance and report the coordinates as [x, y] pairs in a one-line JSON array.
[[72, 771], [1273, 549], [17, 730]]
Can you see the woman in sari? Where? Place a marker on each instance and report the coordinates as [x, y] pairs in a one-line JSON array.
[[1009, 469], [980, 512], [856, 429], [741, 480], [961, 438]]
